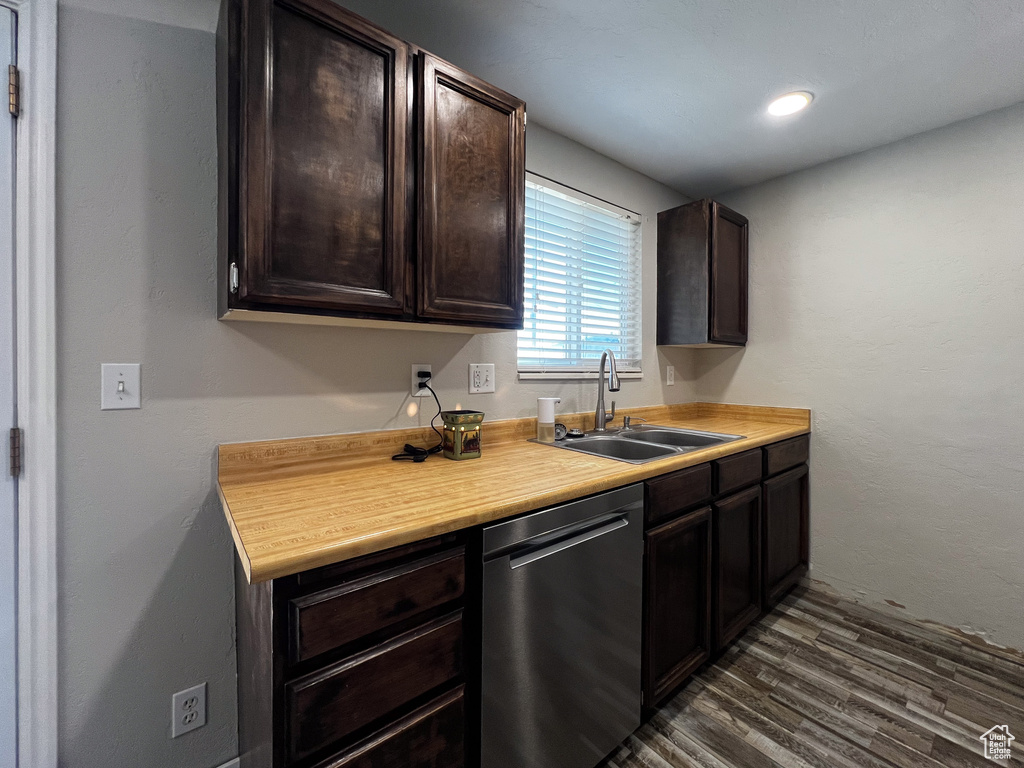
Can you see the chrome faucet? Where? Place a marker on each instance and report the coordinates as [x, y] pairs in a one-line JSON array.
[[601, 418]]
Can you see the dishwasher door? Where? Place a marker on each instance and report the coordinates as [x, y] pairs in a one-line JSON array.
[[562, 611]]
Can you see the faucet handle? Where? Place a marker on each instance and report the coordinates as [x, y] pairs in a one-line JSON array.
[[611, 416]]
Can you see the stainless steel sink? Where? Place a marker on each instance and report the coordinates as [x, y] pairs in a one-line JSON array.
[[684, 438], [649, 442], [617, 448]]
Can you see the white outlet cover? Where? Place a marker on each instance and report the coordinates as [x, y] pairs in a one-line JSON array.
[[481, 378], [120, 386], [414, 384], [188, 710], [670, 375]]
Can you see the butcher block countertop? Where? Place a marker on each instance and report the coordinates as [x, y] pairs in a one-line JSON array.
[[302, 503]]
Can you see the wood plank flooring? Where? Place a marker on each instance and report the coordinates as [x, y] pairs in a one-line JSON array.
[[825, 682]]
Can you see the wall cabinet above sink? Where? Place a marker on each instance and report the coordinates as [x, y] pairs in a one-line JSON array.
[[362, 180]]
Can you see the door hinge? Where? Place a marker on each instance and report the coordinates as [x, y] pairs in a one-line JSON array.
[[233, 277], [15, 452], [524, 121], [13, 91]]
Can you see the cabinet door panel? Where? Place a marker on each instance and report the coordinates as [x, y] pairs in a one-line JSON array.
[[326, 166], [786, 532], [472, 187], [677, 611], [728, 276], [737, 564]]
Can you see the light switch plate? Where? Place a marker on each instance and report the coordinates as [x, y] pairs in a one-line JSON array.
[[481, 378], [120, 386]]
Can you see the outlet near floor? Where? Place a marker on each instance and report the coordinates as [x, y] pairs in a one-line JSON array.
[[188, 710]]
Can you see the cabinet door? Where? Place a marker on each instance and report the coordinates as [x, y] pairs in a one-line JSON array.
[[728, 276], [472, 192], [737, 564], [677, 603], [786, 532], [323, 183]]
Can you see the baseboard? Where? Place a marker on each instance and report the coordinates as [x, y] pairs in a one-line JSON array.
[[231, 764]]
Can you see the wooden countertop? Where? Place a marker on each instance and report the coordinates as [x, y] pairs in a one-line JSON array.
[[306, 502]]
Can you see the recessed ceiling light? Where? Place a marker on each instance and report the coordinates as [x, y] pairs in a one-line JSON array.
[[790, 103]]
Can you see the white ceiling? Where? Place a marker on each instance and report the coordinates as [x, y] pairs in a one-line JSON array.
[[677, 89]]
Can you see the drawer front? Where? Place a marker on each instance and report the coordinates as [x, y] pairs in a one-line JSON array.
[[431, 737], [788, 453], [329, 619], [735, 472], [328, 705], [671, 494], [376, 561]]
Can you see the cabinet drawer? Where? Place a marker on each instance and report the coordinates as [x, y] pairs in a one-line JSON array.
[[333, 617], [676, 492], [330, 704], [788, 453], [430, 737], [735, 472]]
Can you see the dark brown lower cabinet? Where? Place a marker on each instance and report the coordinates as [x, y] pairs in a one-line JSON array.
[[431, 737], [736, 564], [677, 613], [786, 532], [360, 663]]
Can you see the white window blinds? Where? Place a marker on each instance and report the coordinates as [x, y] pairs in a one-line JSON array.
[[582, 288]]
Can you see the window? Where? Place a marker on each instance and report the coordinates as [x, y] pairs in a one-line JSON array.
[[582, 289]]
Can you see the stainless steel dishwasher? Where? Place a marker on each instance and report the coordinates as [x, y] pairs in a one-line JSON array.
[[561, 629]]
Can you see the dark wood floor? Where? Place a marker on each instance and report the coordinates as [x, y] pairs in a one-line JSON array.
[[827, 682]]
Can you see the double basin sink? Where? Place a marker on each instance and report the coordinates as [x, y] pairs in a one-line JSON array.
[[648, 442]]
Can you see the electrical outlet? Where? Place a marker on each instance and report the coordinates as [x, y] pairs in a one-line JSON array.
[[188, 710], [481, 378], [414, 386], [670, 376]]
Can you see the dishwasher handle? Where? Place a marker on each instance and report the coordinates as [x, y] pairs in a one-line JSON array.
[[579, 534]]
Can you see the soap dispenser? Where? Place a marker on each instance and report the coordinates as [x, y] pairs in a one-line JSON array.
[[546, 419]]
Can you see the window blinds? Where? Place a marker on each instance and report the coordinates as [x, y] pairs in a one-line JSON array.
[[582, 288]]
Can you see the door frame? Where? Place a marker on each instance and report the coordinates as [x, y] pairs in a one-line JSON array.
[[36, 353]]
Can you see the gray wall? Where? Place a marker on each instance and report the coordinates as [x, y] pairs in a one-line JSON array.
[[145, 557], [885, 294]]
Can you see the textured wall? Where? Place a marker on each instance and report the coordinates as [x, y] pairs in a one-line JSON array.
[[885, 294], [145, 558]]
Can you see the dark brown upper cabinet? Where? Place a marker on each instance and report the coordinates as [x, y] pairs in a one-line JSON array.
[[702, 276], [350, 196], [472, 188]]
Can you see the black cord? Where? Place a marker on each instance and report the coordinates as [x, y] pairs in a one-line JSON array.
[[414, 453], [440, 437]]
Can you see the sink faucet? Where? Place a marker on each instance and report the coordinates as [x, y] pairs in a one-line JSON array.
[[601, 418]]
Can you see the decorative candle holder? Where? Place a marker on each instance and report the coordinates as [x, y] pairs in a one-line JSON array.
[[461, 434]]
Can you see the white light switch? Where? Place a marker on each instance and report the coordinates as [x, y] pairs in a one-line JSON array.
[[481, 378], [120, 386]]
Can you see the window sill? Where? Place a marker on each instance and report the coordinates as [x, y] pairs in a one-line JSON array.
[[572, 375]]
